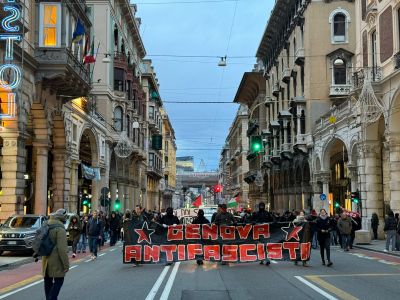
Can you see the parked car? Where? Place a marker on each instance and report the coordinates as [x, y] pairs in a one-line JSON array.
[[18, 232]]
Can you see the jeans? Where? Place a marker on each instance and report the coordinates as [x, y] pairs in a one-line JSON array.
[[345, 241], [390, 236], [375, 231], [52, 287], [314, 241], [334, 240], [325, 245], [82, 243], [93, 244]]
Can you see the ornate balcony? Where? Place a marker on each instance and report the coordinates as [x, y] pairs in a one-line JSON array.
[[153, 171], [373, 74], [299, 57], [276, 89], [60, 71], [286, 151], [286, 75]]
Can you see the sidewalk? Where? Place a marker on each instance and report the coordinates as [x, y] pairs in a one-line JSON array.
[[378, 246]]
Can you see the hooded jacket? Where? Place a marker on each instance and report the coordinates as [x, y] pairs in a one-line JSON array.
[[57, 262], [169, 218]]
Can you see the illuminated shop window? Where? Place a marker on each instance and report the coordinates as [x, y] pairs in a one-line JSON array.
[[50, 26]]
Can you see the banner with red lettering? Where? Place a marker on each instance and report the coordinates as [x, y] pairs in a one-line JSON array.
[[150, 242]]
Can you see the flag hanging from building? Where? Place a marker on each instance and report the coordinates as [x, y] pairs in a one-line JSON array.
[[198, 201], [233, 202], [79, 32], [89, 57]]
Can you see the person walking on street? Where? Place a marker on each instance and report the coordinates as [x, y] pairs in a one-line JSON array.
[[56, 265], [224, 218], [306, 238], [262, 216], [83, 238], [169, 219], [200, 219], [94, 233], [345, 226], [216, 213], [391, 230], [114, 227], [74, 230], [323, 226], [374, 225]]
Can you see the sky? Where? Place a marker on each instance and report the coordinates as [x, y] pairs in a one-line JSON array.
[[205, 28]]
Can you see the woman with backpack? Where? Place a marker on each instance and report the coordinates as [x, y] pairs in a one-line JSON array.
[[74, 230]]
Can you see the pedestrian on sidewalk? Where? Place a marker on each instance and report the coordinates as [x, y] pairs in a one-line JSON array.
[[56, 265], [391, 231], [114, 227], [345, 225], [306, 237], [324, 236], [200, 219], [312, 219], [94, 233], [374, 225], [74, 230], [83, 238]]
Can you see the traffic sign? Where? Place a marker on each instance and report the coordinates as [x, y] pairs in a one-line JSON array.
[[322, 197]]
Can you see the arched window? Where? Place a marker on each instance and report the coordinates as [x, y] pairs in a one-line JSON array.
[[339, 19], [118, 122], [339, 71]]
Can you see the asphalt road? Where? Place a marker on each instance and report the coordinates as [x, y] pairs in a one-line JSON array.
[[356, 275]]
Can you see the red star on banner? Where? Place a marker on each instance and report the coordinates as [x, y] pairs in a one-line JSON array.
[[144, 233], [294, 233]]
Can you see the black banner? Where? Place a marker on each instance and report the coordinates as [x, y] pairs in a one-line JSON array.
[[152, 243]]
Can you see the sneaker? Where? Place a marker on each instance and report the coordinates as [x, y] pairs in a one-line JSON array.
[[305, 264], [73, 255], [296, 262], [385, 250], [261, 262], [323, 262], [329, 264], [92, 257], [267, 263]]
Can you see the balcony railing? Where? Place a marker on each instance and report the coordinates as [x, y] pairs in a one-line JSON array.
[[286, 75], [276, 89], [299, 56], [374, 74], [339, 90]]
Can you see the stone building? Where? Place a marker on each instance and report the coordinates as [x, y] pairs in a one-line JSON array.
[[169, 159], [236, 164]]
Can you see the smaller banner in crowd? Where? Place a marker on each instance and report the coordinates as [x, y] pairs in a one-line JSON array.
[[150, 242]]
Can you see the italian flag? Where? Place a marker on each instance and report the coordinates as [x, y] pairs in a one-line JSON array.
[[89, 58], [233, 202], [198, 202]]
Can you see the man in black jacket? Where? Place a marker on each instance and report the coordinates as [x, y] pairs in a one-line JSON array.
[[114, 227], [262, 216], [169, 218], [94, 233], [390, 229], [200, 219]]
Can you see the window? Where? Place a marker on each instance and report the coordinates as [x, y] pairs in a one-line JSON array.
[[119, 80], [339, 71], [151, 159], [339, 20], [50, 25], [118, 118], [151, 112]]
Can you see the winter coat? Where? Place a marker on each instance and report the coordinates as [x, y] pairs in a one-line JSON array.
[[169, 220], [200, 220], [114, 223], [95, 227], [74, 230], [57, 262], [138, 220], [344, 225], [224, 218], [262, 216], [390, 224], [324, 228], [374, 221], [84, 227]]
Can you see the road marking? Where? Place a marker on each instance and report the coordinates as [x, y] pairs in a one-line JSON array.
[[20, 283], [157, 284], [88, 260], [315, 288], [360, 275], [73, 267], [331, 288], [273, 262], [21, 289], [170, 282], [102, 254], [113, 249]]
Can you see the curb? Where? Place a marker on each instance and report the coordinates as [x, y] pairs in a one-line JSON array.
[[13, 265], [378, 251]]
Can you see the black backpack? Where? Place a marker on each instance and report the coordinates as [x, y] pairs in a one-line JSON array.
[[42, 245]]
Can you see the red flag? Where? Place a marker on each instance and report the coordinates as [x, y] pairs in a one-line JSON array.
[[198, 201]]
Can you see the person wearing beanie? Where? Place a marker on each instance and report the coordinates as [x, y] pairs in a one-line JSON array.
[[56, 265], [306, 237], [200, 219]]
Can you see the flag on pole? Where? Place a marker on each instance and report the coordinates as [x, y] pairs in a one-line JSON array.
[[79, 32], [198, 201], [233, 202], [89, 58]]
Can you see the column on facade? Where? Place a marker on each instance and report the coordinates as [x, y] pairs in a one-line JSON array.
[[42, 156], [127, 199], [132, 196], [113, 192], [121, 190], [149, 199], [353, 171], [61, 179], [96, 193], [325, 178], [298, 198], [394, 145], [12, 182], [73, 193], [371, 183], [299, 108]]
